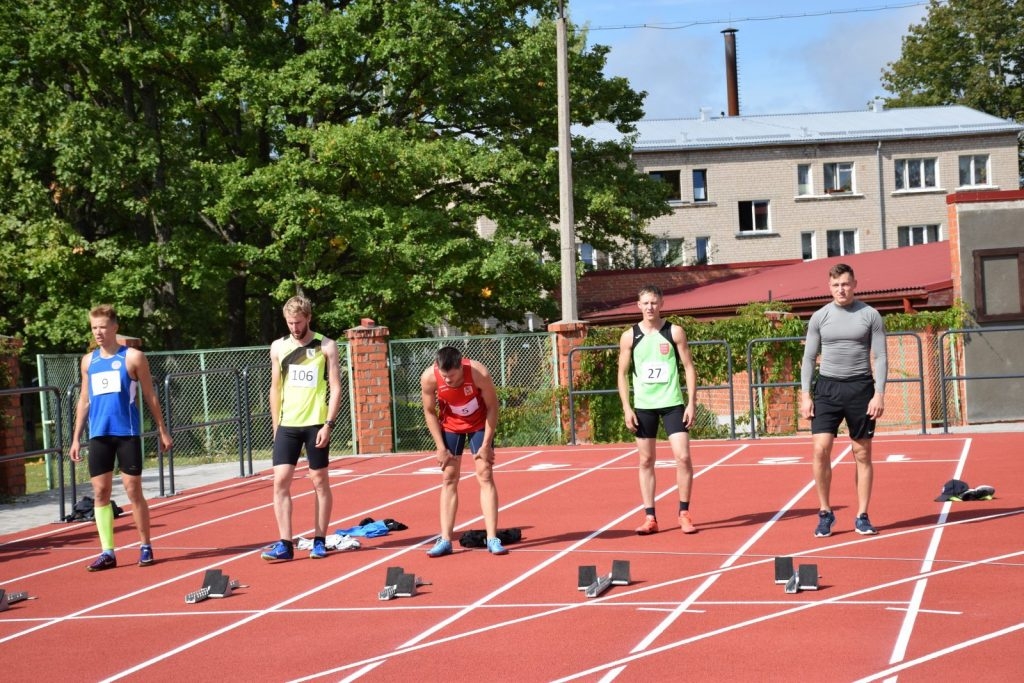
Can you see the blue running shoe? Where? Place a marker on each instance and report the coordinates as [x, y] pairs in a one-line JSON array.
[[319, 550], [146, 556], [441, 548], [863, 526], [106, 560], [494, 547], [826, 518], [278, 552]]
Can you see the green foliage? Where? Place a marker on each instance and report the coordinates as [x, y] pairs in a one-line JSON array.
[[953, 318], [968, 52], [195, 164]]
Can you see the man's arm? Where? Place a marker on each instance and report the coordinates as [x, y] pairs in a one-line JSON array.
[[275, 389], [81, 411], [690, 373], [881, 365], [482, 380], [811, 346], [138, 365], [622, 383], [330, 350], [428, 396]]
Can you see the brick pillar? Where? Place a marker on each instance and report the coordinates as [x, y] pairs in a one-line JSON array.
[[12, 423], [570, 335], [368, 349]]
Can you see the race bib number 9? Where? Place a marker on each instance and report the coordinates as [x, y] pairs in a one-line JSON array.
[[107, 382], [655, 372], [301, 376]]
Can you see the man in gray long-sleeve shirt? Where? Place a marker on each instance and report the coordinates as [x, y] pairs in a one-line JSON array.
[[847, 332]]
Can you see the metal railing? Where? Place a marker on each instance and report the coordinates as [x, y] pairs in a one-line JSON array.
[[56, 450], [944, 378]]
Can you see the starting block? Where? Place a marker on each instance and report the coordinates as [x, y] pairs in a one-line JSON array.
[[586, 575], [8, 599], [216, 584], [783, 569], [398, 584], [619, 576], [807, 577]]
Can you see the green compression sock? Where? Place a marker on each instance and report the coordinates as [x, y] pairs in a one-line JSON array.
[[105, 525]]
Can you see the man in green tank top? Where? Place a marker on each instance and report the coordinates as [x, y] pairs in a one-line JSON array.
[[650, 353]]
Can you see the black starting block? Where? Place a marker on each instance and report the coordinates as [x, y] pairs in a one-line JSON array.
[[8, 599], [783, 569], [398, 584], [216, 584], [619, 576], [586, 575], [807, 577]]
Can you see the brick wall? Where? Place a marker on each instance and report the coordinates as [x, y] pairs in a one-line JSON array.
[[368, 349], [12, 423]]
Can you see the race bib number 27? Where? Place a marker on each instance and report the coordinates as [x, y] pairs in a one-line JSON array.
[[655, 372]]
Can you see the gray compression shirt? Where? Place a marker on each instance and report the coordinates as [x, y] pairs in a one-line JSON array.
[[846, 337]]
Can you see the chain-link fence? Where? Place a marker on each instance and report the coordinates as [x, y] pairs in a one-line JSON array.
[[524, 369], [216, 403]]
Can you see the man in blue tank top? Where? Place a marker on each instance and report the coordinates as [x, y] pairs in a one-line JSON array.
[[848, 333], [113, 375]]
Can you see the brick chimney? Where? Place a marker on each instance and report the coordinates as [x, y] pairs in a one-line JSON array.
[[731, 72]]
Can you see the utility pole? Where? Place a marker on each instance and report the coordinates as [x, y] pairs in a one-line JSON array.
[[567, 219]]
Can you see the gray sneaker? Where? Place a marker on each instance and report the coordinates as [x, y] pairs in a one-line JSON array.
[[826, 519]]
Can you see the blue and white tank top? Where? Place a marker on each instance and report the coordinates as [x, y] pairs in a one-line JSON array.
[[113, 402]]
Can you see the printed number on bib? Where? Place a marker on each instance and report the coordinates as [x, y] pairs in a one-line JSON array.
[[654, 372], [466, 408], [107, 382], [301, 376]]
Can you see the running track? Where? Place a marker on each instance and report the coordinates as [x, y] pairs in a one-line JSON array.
[[937, 594]]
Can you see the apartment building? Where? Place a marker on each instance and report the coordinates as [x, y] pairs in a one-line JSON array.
[[808, 186]]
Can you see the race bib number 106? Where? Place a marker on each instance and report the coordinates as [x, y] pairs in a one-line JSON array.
[[300, 376]]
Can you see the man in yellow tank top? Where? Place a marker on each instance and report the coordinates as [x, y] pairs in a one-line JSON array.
[[303, 365]]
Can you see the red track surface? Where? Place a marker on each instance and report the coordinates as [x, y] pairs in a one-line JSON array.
[[936, 595]]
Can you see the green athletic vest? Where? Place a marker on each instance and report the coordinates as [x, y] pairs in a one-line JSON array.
[[303, 383], [655, 369]]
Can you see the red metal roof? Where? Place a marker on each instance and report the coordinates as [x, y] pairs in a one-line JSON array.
[[907, 278]]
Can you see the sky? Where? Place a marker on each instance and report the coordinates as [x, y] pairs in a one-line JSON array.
[[793, 56]]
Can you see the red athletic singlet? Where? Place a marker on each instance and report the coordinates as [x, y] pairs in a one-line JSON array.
[[462, 407]]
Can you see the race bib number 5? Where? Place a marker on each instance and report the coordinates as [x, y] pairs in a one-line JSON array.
[[301, 376], [655, 372]]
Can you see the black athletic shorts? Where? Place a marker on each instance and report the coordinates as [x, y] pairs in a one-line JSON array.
[[456, 443], [648, 418], [127, 450], [847, 399], [288, 443]]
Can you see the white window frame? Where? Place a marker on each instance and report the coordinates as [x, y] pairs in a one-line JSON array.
[[804, 184], [702, 243], [702, 175], [918, 234], [926, 169], [809, 235], [835, 174], [843, 232], [977, 165], [754, 228], [662, 248]]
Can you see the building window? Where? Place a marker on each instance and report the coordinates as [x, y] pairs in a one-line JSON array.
[[807, 246], [999, 284], [670, 178], [839, 177], [702, 251], [700, 184], [974, 169], [593, 259], [667, 252], [754, 216], [915, 174], [909, 235], [841, 242], [804, 186]]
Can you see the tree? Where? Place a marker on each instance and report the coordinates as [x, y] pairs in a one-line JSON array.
[[197, 163], [968, 52]]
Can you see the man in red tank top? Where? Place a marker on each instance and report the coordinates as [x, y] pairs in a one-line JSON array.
[[460, 405]]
